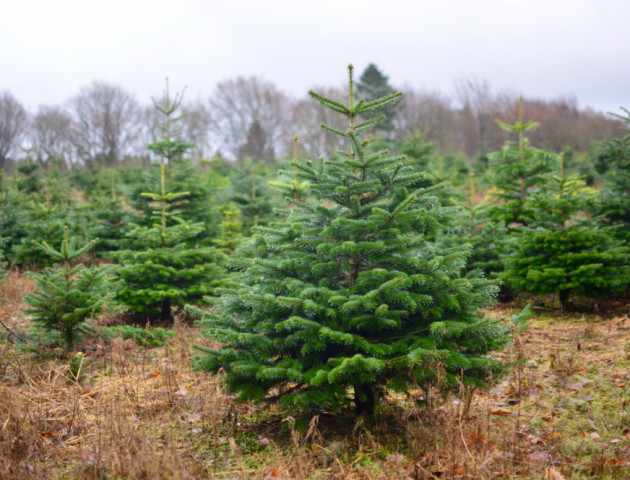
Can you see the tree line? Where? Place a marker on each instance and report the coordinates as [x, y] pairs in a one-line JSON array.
[[248, 117]]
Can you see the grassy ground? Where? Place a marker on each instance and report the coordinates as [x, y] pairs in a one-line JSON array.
[[121, 411]]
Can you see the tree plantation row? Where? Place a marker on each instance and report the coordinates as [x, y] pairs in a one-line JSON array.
[[247, 117], [326, 281]]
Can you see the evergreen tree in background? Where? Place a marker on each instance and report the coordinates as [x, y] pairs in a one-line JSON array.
[[373, 84], [39, 220], [249, 191], [12, 208], [347, 296], [112, 220], [518, 171], [480, 232], [613, 158], [67, 296], [563, 251], [231, 229], [258, 146]]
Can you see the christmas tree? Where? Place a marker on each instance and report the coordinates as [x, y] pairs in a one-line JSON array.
[[564, 251], [66, 296], [348, 298], [613, 157]]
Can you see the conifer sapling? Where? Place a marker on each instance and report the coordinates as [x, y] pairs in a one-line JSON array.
[[349, 298], [66, 296]]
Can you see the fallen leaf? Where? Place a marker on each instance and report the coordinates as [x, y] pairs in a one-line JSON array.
[[193, 417], [553, 474], [501, 412], [595, 436]]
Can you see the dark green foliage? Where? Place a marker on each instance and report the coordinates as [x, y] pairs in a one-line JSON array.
[[111, 221], [613, 158], [27, 179], [38, 221], [479, 231], [562, 251], [148, 338], [67, 296], [12, 211], [347, 296]]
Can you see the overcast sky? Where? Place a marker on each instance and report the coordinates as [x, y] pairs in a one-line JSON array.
[[49, 49]]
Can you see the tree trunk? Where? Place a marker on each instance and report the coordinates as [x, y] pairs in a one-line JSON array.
[[364, 400], [166, 318], [564, 296]]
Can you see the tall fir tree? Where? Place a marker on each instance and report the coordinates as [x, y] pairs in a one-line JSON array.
[[347, 297], [564, 251], [181, 174], [517, 170]]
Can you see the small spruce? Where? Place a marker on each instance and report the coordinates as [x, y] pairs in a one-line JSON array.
[[66, 296], [348, 298]]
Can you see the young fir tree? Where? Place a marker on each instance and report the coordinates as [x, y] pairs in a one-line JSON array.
[[163, 271], [351, 298], [231, 229], [249, 191], [39, 220], [66, 296], [483, 234], [112, 220], [518, 171], [613, 157], [563, 251]]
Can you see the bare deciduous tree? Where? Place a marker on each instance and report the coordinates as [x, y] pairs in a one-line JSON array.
[[106, 123], [51, 134], [476, 99], [432, 114], [238, 105], [13, 124], [196, 123], [308, 115]]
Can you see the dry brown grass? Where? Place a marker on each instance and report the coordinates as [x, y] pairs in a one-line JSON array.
[[130, 413]]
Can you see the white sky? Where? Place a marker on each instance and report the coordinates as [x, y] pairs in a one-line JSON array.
[[49, 49]]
